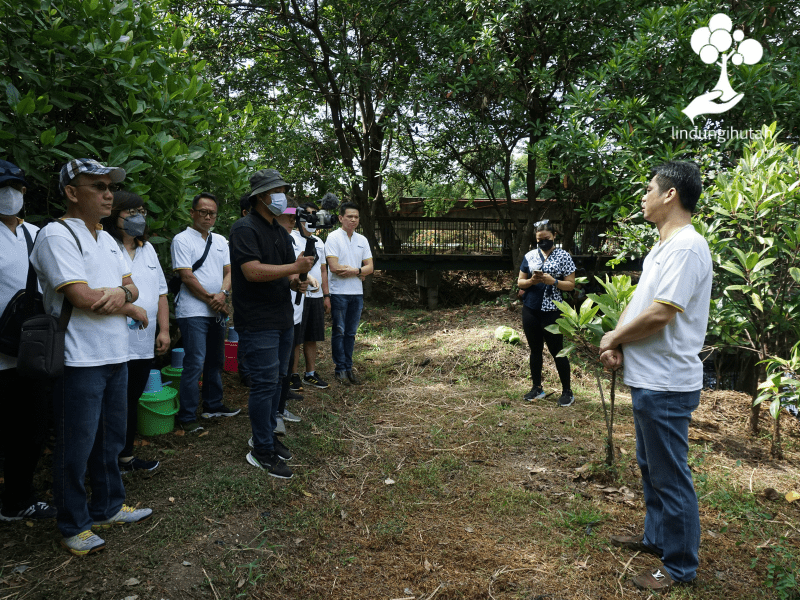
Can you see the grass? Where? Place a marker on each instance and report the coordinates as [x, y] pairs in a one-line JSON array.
[[434, 475]]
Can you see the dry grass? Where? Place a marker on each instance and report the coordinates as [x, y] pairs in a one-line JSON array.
[[431, 481]]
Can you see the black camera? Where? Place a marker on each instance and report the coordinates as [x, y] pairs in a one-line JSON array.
[[324, 218]]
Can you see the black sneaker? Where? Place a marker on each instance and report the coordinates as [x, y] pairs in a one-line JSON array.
[[137, 464], [313, 379], [342, 378], [281, 450], [294, 383], [536, 393], [567, 399], [37, 510], [223, 411], [191, 427], [294, 396], [354, 379], [271, 464]]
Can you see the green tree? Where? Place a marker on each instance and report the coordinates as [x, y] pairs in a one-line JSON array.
[[754, 237], [112, 81], [502, 72], [341, 69], [585, 327]]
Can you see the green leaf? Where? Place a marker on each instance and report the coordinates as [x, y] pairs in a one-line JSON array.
[[795, 273], [566, 351], [118, 155], [177, 40], [757, 302], [775, 408]]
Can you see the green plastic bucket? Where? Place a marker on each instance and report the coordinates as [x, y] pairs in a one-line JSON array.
[[157, 412], [173, 377]]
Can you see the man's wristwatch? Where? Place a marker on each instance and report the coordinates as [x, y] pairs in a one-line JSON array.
[[326, 295], [359, 270], [128, 294], [227, 293]]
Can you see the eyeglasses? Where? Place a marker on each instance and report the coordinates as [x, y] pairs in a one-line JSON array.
[[132, 212], [14, 171], [99, 186], [544, 222], [206, 213]]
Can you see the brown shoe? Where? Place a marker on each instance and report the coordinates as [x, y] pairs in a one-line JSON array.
[[634, 542], [656, 580]]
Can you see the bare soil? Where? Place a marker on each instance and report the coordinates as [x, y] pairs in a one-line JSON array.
[[432, 480]]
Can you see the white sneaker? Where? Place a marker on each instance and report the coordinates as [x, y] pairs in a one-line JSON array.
[[289, 417], [280, 428], [123, 517], [84, 543]]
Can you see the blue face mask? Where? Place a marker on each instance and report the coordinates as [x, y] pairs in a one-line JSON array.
[[134, 226], [278, 204]]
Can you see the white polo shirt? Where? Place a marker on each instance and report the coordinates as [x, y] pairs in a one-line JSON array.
[[187, 248], [92, 340], [149, 278], [316, 270], [13, 271], [350, 251], [679, 273]]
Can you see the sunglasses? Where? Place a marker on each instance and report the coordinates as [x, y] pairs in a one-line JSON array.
[[99, 186], [545, 222]]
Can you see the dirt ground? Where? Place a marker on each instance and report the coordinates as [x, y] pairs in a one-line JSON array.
[[432, 480]]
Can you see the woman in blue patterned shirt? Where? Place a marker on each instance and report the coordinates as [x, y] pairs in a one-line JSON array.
[[546, 271]]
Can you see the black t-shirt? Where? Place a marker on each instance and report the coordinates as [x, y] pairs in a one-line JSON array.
[[264, 304]]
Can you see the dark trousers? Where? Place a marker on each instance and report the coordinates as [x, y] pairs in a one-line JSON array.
[[24, 404], [138, 372], [534, 323]]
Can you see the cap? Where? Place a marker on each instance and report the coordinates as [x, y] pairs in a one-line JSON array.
[[11, 172], [90, 166], [265, 179]]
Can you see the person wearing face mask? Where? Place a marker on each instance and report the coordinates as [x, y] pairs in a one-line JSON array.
[[201, 311], [23, 401], [127, 225], [264, 271], [317, 303], [546, 271]]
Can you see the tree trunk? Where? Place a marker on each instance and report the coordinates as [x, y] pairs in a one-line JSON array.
[[776, 448]]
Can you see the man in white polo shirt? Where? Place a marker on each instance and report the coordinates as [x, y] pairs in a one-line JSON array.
[[659, 336], [349, 262], [23, 426], [90, 399], [201, 312]]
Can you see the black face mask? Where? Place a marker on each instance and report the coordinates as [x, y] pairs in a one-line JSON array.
[[545, 245]]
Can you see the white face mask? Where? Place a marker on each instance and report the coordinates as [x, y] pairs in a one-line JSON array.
[[10, 201], [309, 228]]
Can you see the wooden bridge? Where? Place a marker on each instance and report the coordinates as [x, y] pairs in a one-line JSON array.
[[432, 245]]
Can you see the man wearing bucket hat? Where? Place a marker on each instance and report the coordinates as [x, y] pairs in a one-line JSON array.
[[264, 271], [22, 428], [89, 399]]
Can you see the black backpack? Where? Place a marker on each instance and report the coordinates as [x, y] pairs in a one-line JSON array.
[[174, 283], [24, 304]]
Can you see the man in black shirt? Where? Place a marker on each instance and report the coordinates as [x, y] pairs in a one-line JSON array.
[[264, 273]]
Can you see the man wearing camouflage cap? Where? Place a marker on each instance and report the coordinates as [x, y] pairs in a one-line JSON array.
[[83, 264]]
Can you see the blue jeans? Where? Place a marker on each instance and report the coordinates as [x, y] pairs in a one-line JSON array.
[[672, 520], [345, 313], [91, 406], [268, 352], [204, 353]]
